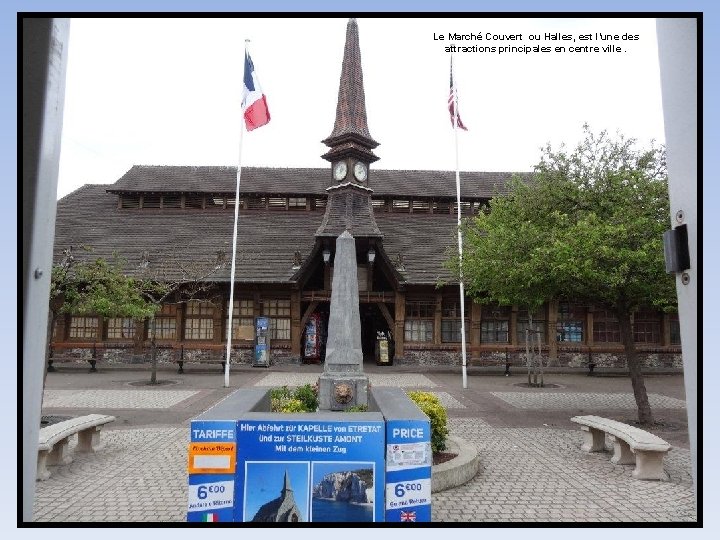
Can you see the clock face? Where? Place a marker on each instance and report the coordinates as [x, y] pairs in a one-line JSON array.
[[340, 170], [360, 171]]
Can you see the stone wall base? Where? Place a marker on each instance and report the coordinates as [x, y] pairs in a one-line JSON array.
[[517, 359], [166, 356]]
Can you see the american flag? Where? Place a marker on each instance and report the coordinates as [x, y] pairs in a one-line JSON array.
[[451, 102], [408, 516]]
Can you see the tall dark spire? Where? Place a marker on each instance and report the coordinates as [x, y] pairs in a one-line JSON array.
[[349, 202], [351, 135], [286, 483]]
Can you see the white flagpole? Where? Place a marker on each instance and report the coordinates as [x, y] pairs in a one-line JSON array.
[[234, 241], [459, 222]]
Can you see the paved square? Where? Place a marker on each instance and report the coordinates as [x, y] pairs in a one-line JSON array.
[[527, 475], [447, 401], [531, 474], [560, 400], [140, 475], [116, 399], [400, 380]]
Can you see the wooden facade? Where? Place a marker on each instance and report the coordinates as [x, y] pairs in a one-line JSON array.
[[163, 219]]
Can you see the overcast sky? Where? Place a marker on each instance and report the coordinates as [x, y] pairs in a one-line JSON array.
[[167, 91]]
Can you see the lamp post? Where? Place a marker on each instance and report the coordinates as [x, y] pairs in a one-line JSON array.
[[326, 271], [371, 261]]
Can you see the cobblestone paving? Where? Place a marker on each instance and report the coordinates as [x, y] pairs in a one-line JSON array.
[[116, 399], [531, 474], [401, 380], [447, 401], [559, 400], [527, 474], [140, 475]]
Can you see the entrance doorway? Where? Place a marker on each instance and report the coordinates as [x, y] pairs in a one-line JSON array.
[[371, 322]]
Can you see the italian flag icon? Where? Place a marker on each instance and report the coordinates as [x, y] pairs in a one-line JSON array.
[[211, 517]]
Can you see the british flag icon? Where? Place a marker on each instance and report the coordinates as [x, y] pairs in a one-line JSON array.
[[408, 516]]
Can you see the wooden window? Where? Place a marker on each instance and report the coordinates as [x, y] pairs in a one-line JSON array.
[[194, 201], [166, 322], [419, 330], [380, 205], [279, 328], [420, 207], [151, 200], [129, 201], [243, 322], [538, 322], [320, 203], [441, 207], [297, 203], [400, 205], [215, 202], [121, 328], [199, 320], [451, 325], [256, 203], [84, 327], [277, 203], [495, 324], [674, 329], [279, 312], [465, 208], [172, 201], [570, 323], [606, 327], [646, 327], [420, 319]]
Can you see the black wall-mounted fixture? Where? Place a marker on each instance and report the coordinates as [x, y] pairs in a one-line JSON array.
[[677, 253]]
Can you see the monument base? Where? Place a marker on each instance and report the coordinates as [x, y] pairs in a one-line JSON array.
[[340, 391]]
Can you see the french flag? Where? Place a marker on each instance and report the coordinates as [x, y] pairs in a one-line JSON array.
[[254, 103]]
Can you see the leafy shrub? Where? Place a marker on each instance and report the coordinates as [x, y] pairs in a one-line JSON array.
[[431, 406], [302, 399], [357, 408], [292, 405], [308, 395], [279, 397]]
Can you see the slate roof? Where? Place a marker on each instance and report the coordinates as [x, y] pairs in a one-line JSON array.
[[267, 239], [309, 181], [350, 115], [423, 241], [349, 208]]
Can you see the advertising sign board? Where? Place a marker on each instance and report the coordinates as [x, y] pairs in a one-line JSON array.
[[409, 466], [310, 470]]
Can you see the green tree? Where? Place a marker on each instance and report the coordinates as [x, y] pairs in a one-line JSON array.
[[587, 226], [176, 279], [84, 286], [94, 287]]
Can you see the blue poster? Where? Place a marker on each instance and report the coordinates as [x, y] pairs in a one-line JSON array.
[[310, 471], [409, 466], [211, 495]]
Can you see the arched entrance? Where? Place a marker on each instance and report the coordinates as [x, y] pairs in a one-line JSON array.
[[371, 322]]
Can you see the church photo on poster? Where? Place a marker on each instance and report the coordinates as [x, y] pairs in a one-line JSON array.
[[276, 491]]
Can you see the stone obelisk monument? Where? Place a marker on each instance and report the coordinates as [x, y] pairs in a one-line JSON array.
[[343, 383]]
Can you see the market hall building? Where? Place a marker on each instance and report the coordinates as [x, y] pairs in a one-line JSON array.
[[176, 223]]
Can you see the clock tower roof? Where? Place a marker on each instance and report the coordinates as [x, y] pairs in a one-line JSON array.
[[351, 136]]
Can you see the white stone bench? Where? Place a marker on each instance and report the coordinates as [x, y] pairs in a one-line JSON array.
[[631, 445], [54, 440]]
